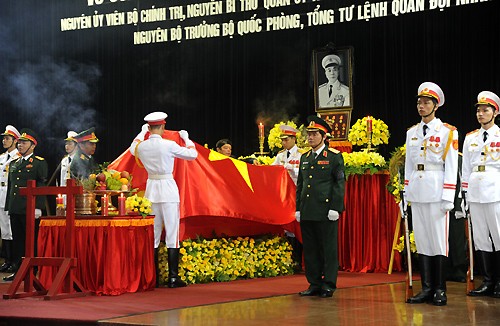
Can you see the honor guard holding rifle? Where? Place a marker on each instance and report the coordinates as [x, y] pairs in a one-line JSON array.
[[83, 163], [431, 168], [9, 142], [320, 201], [27, 167], [158, 157], [480, 179]]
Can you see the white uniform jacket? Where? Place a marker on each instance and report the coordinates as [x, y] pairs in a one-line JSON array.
[[5, 159], [481, 166], [431, 163], [157, 155], [291, 163], [339, 96], [65, 172]]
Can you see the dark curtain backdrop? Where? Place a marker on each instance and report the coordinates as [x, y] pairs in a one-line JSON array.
[[53, 81]]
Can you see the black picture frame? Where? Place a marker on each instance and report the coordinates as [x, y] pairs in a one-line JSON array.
[[336, 92]]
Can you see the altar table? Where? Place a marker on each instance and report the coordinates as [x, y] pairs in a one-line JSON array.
[[115, 254], [366, 228]]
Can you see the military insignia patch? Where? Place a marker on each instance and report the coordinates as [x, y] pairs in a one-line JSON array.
[[455, 144], [323, 162]]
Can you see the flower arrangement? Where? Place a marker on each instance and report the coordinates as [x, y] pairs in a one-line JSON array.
[[360, 162], [401, 244], [274, 140], [358, 134], [227, 259], [138, 204], [396, 173]]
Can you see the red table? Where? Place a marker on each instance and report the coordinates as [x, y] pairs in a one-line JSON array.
[[366, 228], [115, 254]]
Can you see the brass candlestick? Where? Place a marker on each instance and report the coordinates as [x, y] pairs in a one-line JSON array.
[[261, 147]]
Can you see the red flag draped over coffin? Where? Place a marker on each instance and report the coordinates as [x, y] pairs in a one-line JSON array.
[[225, 197]]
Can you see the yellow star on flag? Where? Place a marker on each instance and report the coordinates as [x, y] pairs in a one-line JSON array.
[[240, 165]]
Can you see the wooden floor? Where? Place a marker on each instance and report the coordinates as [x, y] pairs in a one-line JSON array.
[[368, 305]]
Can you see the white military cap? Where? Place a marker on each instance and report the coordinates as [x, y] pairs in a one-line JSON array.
[[287, 131], [488, 98], [156, 118], [71, 135], [11, 131], [331, 59], [431, 90]]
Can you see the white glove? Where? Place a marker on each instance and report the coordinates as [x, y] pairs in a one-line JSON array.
[[184, 135], [38, 212], [142, 134], [446, 206], [459, 214], [297, 216], [333, 215], [465, 207]]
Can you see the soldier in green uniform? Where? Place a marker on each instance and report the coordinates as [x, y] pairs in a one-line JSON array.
[[83, 163], [320, 200], [27, 167]]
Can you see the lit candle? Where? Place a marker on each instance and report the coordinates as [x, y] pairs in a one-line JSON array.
[[59, 200], [369, 124], [261, 130], [104, 205], [121, 204]]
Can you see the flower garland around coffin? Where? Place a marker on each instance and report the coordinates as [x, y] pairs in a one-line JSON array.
[[227, 259]]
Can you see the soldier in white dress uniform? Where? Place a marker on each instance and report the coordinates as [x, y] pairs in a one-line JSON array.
[[333, 93], [157, 155], [70, 148], [431, 168], [480, 178], [289, 158], [9, 141]]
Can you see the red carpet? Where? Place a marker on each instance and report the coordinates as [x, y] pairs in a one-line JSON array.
[[88, 310]]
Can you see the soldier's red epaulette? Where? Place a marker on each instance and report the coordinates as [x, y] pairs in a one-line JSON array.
[[333, 150], [39, 158], [412, 126], [473, 132], [449, 126]]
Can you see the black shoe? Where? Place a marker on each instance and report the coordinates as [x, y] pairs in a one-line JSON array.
[[496, 291], [310, 292], [485, 289], [440, 298], [6, 268], [326, 293], [423, 296], [9, 278], [176, 283]]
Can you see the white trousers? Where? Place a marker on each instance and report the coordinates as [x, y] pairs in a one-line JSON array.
[[166, 214], [5, 225], [430, 228], [485, 219]]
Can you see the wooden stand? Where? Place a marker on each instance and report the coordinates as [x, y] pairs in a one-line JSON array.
[[65, 284]]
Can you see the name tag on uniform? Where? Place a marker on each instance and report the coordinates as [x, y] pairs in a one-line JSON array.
[[323, 162]]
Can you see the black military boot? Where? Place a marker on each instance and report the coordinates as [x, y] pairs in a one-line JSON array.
[[485, 261], [173, 269], [496, 290], [157, 269], [425, 265], [7, 252], [440, 298]]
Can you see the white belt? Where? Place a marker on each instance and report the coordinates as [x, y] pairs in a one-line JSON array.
[[485, 168], [160, 176], [429, 167]]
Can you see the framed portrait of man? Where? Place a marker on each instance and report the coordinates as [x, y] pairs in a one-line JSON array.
[[333, 78]]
